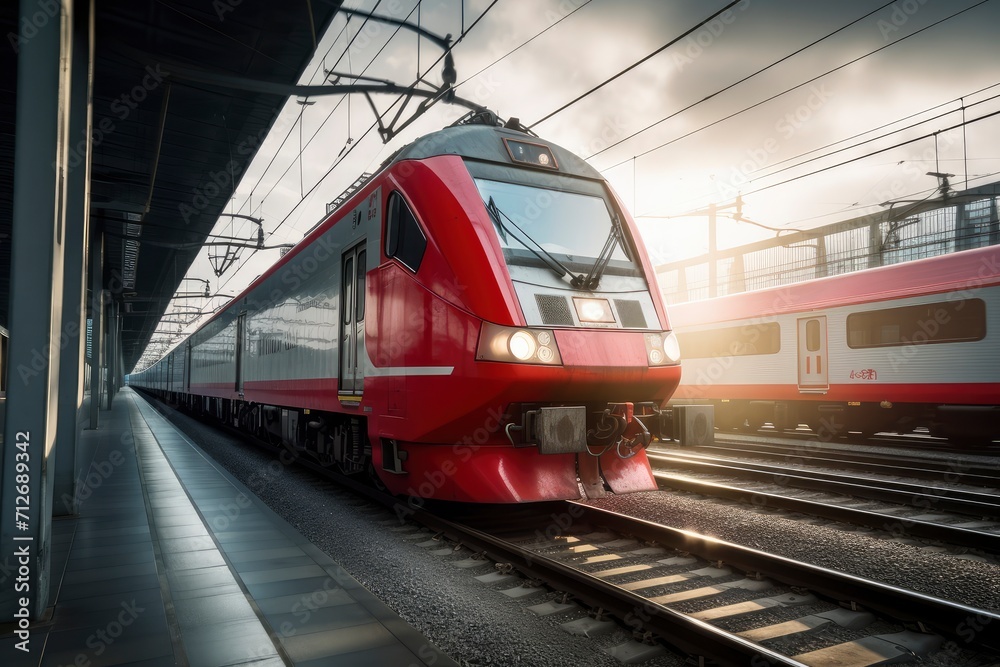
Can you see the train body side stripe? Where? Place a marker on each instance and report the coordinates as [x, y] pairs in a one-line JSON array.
[[934, 394]]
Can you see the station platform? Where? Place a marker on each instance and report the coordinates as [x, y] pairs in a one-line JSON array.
[[172, 561]]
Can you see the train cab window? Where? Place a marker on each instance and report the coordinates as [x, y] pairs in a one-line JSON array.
[[957, 321], [404, 239]]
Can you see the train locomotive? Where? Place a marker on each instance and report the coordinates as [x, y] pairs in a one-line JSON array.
[[478, 321], [894, 348]]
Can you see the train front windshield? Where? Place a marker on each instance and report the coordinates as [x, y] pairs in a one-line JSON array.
[[573, 229]]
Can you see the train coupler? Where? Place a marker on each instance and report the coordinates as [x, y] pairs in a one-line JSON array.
[[554, 430], [632, 435]]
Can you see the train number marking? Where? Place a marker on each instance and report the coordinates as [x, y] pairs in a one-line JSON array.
[[865, 374]]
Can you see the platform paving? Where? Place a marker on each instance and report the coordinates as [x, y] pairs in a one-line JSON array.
[[172, 561]]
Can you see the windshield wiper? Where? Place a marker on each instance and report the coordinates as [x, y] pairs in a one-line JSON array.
[[496, 215], [593, 277]]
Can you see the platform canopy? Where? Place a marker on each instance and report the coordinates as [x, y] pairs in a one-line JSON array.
[[165, 148]]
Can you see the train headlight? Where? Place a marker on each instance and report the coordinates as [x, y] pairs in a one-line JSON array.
[[672, 348], [522, 345], [662, 349], [516, 345], [594, 311]]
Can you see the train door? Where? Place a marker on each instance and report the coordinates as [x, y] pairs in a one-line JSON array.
[[187, 367], [352, 320], [170, 372], [813, 359], [241, 326]]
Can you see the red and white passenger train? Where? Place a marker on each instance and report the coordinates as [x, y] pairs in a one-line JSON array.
[[885, 349], [478, 322]]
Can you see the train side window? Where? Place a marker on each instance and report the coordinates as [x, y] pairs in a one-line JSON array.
[[404, 239], [360, 282], [746, 340], [958, 321], [3, 365], [348, 288], [812, 336]]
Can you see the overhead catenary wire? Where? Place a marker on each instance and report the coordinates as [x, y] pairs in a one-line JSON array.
[[876, 152], [525, 42], [858, 144], [515, 49], [791, 226], [385, 113], [960, 100], [367, 132], [745, 78], [635, 64], [961, 109], [291, 128], [344, 153], [777, 95], [322, 124], [347, 52]]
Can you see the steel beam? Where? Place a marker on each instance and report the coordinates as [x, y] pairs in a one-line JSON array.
[[96, 260], [74, 315], [111, 353], [38, 237]]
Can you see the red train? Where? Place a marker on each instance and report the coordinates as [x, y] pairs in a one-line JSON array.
[[910, 345], [478, 322]]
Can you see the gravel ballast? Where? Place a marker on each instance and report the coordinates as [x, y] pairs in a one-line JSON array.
[[472, 622], [835, 546], [477, 625]]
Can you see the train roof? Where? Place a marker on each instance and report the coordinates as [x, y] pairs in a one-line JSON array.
[[473, 141], [491, 143], [954, 272]]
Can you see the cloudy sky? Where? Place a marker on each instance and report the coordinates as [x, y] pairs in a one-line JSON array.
[[674, 134]]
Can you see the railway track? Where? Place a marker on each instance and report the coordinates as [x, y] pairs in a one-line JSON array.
[[961, 518], [714, 601], [891, 451], [711, 601], [683, 593]]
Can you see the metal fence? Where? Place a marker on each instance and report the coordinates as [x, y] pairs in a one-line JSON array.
[[961, 221]]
